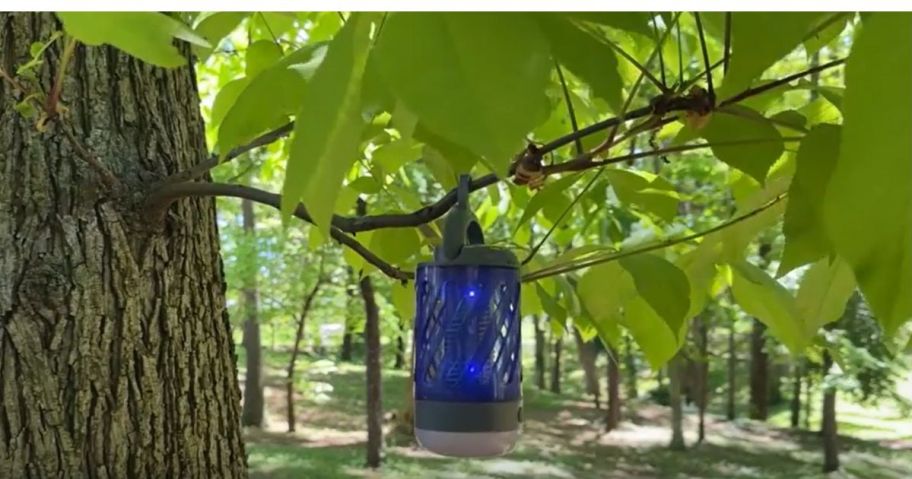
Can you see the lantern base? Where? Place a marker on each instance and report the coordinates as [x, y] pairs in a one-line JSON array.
[[467, 444]]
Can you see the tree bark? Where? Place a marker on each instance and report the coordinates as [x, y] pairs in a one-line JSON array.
[[675, 373], [295, 352], [732, 371], [345, 353], [116, 358], [540, 353], [759, 377], [587, 353], [556, 365], [630, 364], [808, 399], [829, 428], [374, 387], [252, 414], [796, 395], [613, 416]]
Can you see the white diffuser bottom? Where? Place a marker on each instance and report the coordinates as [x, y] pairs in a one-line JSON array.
[[467, 444]]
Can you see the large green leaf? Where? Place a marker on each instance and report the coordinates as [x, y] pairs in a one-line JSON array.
[[764, 298], [824, 291], [662, 285], [588, 57], [868, 203], [225, 99], [328, 125], [261, 54], [148, 36], [759, 39], [633, 22], [395, 245], [699, 265], [551, 194], [395, 154], [658, 342], [604, 289], [761, 143], [805, 236], [215, 27], [403, 298], [477, 79], [646, 190]]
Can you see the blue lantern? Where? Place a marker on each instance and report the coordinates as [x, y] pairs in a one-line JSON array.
[[468, 370]]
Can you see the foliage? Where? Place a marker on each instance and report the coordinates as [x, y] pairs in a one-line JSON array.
[[708, 162]]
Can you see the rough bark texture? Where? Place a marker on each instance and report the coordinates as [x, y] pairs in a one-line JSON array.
[[587, 353], [116, 358], [540, 353], [795, 405], [828, 426], [732, 371], [759, 377], [702, 387], [254, 403], [613, 417], [400, 346], [675, 373], [556, 365], [372, 361], [295, 352]]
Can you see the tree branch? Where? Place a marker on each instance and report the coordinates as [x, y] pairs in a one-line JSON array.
[[158, 202], [583, 263], [213, 160], [782, 81], [709, 77]]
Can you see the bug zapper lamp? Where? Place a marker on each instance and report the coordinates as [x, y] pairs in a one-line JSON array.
[[468, 395]]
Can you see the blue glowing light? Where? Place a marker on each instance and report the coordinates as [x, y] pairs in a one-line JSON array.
[[471, 293]]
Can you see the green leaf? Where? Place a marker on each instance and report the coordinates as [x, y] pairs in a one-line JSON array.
[[477, 79], [868, 203], [827, 34], [395, 154], [225, 99], [328, 125], [755, 48], [145, 35], [460, 160], [261, 55], [662, 285], [529, 302], [651, 192], [764, 298], [633, 22], [825, 289], [355, 260], [395, 245], [551, 194], [604, 289], [805, 235], [588, 57], [215, 27], [753, 158], [658, 342], [403, 298], [700, 267]]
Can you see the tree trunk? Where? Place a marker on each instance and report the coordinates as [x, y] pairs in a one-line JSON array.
[[613, 417], [116, 358], [345, 354], [295, 351], [556, 365], [732, 370], [675, 373], [808, 399], [252, 414], [587, 353], [759, 377], [830, 439], [541, 346], [372, 361], [702, 389], [796, 395], [400, 347], [630, 364]]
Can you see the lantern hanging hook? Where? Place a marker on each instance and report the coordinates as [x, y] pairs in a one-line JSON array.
[[461, 227]]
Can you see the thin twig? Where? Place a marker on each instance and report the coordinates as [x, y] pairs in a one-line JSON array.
[[567, 267], [573, 124], [709, 78], [655, 32], [782, 81], [762, 119], [643, 70]]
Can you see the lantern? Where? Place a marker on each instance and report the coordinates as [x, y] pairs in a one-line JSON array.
[[468, 377]]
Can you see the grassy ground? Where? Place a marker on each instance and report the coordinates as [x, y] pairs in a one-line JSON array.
[[562, 439]]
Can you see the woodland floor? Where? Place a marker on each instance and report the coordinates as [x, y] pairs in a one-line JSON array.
[[562, 439]]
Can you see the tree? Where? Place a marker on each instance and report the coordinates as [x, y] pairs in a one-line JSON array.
[[829, 428], [114, 326], [587, 353], [731, 390], [541, 346], [675, 376], [254, 405], [374, 385], [613, 414], [556, 370], [296, 351]]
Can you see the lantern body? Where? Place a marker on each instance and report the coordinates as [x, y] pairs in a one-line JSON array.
[[468, 378]]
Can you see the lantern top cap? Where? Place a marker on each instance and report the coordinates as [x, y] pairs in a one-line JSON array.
[[463, 239]]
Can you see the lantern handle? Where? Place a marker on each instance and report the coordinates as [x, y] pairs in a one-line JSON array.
[[461, 227]]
